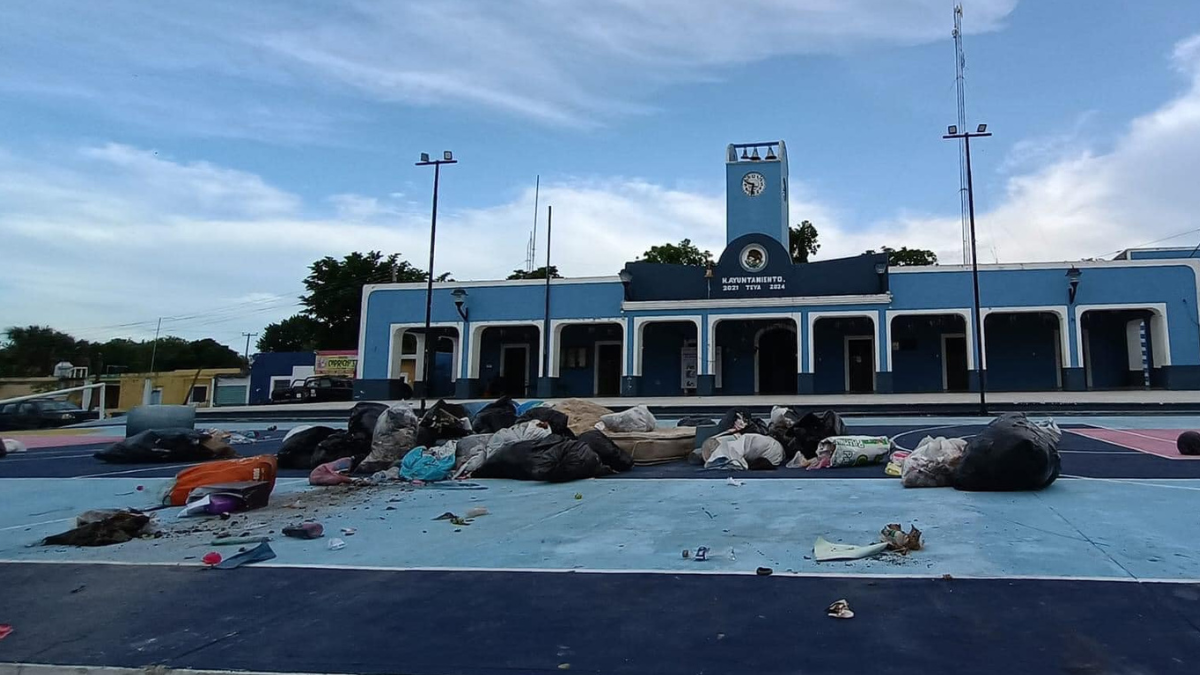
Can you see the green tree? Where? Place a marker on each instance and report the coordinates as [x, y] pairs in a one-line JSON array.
[[296, 333], [683, 253], [334, 297], [32, 351], [802, 241], [539, 273], [908, 257]]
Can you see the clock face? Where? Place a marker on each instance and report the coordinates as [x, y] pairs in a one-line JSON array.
[[753, 183]]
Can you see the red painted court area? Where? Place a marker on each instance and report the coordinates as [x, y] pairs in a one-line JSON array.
[[1158, 442]]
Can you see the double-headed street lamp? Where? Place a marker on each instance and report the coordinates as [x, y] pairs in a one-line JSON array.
[[430, 343], [966, 136]]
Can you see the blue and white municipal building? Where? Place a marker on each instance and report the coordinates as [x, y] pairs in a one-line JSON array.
[[754, 322]]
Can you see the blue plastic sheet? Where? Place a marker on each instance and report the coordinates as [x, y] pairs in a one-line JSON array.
[[422, 463]]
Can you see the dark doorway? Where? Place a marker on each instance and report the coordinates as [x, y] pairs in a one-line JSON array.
[[954, 351], [514, 371], [860, 365], [777, 362], [608, 369]]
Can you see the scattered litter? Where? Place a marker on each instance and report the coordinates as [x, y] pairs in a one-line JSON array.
[[764, 571], [12, 445], [336, 544], [578, 495], [735, 482], [446, 516], [78, 588], [5, 630], [257, 554], [239, 541], [825, 551], [114, 528], [896, 539], [272, 428], [933, 463], [732, 554], [947, 577], [564, 666], [348, 531], [211, 558], [701, 554], [686, 554], [458, 529], [840, 609], [477, 512]]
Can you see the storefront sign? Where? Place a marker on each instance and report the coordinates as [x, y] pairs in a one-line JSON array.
[[337, 363], [753, 283]]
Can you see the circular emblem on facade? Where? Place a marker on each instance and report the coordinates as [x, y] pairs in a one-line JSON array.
[[753, 258]]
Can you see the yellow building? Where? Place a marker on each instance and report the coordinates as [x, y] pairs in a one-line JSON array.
[[176, 387]]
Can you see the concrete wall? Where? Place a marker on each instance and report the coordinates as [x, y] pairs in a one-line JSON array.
[[268, 364]]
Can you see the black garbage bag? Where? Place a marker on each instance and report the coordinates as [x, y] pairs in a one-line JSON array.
[[497, 415], [557, 420], [565, 461], [696, 422], [808, 432], [552, 459], [613, 456], [1010, 454], [1188, 443], [165, 445], [298, 450], [363, 417], [442, 422], [752, 425], [339, 444]]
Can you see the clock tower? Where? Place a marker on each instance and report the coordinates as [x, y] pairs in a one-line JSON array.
[[756, 192]]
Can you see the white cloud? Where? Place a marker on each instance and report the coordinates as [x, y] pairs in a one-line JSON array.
[[560, 62]]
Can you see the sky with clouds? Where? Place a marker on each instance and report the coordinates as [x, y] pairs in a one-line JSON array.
[[189, 160]]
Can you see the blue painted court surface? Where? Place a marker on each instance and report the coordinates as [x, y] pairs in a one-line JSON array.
[[1099, 573]]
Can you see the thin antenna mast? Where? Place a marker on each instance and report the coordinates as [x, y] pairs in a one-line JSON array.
[[532, 262], [960, 66]]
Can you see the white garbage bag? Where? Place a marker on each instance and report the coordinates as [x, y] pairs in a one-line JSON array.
[[525, 431], [394, 435], [637, 418], [843, 451], [737, 451], [933, 463]]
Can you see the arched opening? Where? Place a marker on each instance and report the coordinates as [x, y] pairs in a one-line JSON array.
[[930, 353], [1118, 348], [669, 360], [589, 359], [777, 360], [1024, 351], [843, 355]]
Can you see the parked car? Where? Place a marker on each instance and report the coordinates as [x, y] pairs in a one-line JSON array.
[[317, 389], [41, 413]]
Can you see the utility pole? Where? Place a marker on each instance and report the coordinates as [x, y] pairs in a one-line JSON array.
[[546, 319], [966, 136], [430, 343], [246, 356], [154, 349]]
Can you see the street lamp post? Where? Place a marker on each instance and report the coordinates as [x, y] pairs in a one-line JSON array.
[[430, 344], [966, 136]]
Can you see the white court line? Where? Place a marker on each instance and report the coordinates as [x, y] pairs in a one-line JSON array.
[[44, 522], [46, 459], [676, 572], [1144, 482], [156, 467]]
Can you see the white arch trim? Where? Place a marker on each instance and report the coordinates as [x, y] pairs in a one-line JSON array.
[[1058, 310], [964, 312], [639, 325], [1158, 328], [710, 349], [813, 317], [477, 329], [556, 327], [395, 335]]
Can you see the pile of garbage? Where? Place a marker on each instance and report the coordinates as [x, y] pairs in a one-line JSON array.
[[1012, 453], [572, 440], [801, 440]]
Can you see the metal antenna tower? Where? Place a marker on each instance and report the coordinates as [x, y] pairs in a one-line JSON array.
[[960, 66]]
